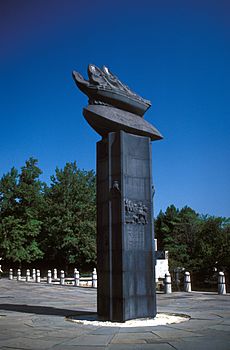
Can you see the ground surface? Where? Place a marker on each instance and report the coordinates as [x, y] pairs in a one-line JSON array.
[[32, 316]]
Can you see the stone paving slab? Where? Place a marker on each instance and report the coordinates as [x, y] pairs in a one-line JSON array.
[[35, 316], [133, 338], [91, 340], [79, 347], [26, 343], [206, 344], [158, 346]]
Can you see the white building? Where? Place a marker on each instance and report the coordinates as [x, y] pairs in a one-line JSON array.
[[162, 263]]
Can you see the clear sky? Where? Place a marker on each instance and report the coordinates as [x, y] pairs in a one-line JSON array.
[[174, 53]]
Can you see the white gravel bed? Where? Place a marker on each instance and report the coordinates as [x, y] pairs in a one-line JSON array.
[[160, 320]]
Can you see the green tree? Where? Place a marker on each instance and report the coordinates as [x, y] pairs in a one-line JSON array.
[[176, 232], [194, 241], [213, 243], [69, 229], [20, 223], [168, 233], [225, 247]]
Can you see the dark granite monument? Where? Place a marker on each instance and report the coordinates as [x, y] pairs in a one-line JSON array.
[[125, 241]]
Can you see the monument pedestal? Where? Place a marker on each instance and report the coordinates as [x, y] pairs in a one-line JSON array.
[[125, 242]]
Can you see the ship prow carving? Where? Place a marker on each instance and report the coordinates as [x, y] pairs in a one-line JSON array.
[[103, 87], [113, 106]]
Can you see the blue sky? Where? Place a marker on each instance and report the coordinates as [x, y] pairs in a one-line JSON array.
[[174, 53]]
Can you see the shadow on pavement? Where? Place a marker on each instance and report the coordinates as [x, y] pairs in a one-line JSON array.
[[44, 310]]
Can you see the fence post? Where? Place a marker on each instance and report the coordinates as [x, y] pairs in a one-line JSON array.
[[62, 278], [221, 283], [76, 278], [27, 275], [167, 283], [19, 275], [94, 278], [11, 274], [55, 274], [187, 282], [49, 276], [38, 276]]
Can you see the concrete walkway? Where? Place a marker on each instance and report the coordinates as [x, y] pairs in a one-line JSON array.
[[32, 316]]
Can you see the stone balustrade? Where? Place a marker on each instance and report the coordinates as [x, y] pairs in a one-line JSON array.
[[38, 276], [49, 277], [11, 276], [19, 275], [91, 281], [94, 278], [76, 280], [221, 283], [187, 282], [55, 276], [167, 283], [62, 278], [27, 275]]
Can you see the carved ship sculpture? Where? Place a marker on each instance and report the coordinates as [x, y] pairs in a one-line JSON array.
[[112, 105]]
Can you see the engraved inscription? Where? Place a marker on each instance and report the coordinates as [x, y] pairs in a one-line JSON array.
[[135, 212], [135, 237]]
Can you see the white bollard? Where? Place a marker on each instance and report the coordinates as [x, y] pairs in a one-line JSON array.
[[27, 275], [94, 278], [187, 282], [19, 275], [38, 276], [49, 276], [62, 278], [76, 278], [11, 277], [167, 283], [55, 274], [221, 283], [34, 274]]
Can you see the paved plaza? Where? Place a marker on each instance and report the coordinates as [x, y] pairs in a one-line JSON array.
[[35, 316]]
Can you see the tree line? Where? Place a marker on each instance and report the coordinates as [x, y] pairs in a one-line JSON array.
[[52, 223], [56, 224], [198, 243]]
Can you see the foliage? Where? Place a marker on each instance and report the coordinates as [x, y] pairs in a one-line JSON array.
[[20, 203], [57, 223], [69, 226], [213, 242], [194, 241]]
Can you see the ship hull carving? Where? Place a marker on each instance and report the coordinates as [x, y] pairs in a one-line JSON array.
[[104, 119]]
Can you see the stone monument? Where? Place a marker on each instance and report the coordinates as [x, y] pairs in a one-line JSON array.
[[125, 241]]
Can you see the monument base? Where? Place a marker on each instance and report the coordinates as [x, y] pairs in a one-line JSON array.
[[125, 245]]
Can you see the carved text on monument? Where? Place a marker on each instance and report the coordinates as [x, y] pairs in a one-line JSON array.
[[135, 237]]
